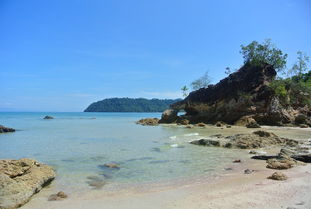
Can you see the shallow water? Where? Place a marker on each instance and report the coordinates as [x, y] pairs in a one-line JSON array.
[[77, 145]]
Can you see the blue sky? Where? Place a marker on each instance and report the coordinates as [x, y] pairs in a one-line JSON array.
[[61, 55]]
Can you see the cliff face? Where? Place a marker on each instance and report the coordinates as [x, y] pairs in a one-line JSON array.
[[245, 93]]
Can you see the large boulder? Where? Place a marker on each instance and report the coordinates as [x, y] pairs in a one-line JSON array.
[[169, 116], [245, 93], [21, 179], [4, 129]]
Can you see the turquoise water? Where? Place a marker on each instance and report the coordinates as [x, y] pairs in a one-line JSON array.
[[76, 144]]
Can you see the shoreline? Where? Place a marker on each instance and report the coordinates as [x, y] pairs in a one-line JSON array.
[[232, 189]]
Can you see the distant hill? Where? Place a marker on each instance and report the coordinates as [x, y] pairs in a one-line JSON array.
[[130, 105]]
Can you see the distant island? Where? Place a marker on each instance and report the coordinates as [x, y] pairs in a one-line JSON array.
[[130, 105]]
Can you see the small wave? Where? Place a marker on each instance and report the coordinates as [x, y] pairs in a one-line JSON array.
[[192, 134], [173, 137]]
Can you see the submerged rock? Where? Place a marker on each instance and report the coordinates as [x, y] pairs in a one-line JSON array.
[[95, 182], [58, 196], [20, 179], [248, 171], [48, 117], [4, 129], [253, 125], [112, 165], [148, 121], [278, 176]]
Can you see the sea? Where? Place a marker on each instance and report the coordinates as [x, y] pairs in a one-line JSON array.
[[77, 145]]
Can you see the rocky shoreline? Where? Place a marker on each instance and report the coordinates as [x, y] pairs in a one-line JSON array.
[[21, 179]]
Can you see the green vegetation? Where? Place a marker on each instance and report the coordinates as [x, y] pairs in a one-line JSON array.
[[264, 53], [294, 91], [184, 90], [130, 105], [201, 82]]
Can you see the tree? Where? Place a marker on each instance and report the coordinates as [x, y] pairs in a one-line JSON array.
[[266, 53], [184, 91], [201, 82], [301, 65], [228, 71]]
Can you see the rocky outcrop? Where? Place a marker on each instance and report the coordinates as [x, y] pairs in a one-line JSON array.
[[148, 121], [20, 179], [48, 117], [257, 139], [4, 129], [245, 93], [278, 176]]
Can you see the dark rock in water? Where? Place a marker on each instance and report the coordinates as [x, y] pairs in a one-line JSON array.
[[111, 165], [20, 180], [245, 93], [248, 171], [48, 117], [206, 142], [148, 121], [4, 129], [228, 126], [228, 169], [156, 149], [237, 161], [96, 182], [263, 157], [220, 124], [58, 196], [278, 176], [306, 158], [252, 125]]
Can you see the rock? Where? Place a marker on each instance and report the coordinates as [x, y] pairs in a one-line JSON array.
[[252, 125], [189, 126], [306, 158], [264, 133], [206, 142], [263, 157], [96, 182], [183, 122], [252, 152], [228, 126], [237, 161], [59, 196], [169, 116], [4, 129], [280, 164], [285, 153], [201, 124], [300, 118], [219, 124], [278, 176], [244, 94], [48, 117], [112, 165], [257, 139], [21, 179], [148, 121], [304, 126], [248, 171]]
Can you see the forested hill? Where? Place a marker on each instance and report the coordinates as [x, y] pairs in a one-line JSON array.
[[130, 105]]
